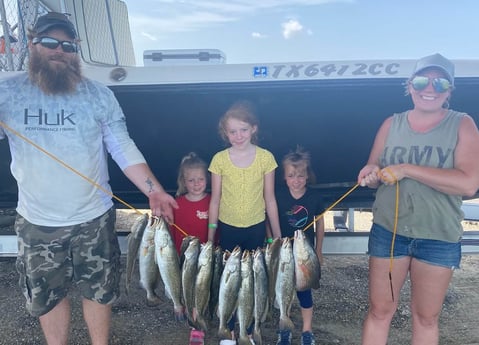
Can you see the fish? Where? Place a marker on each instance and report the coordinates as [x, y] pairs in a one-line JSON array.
[[189, 270], [203, 284], [261, 298], [215, 280], [285, 284], [149, 273], [184, 244], [228, 293], [245, 298], [271, 258], [307, 267], [134, 242], [169, 266]]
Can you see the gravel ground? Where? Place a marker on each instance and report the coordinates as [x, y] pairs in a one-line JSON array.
[[340, 306]]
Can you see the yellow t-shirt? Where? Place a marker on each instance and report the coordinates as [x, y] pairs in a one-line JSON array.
[[242, 201]]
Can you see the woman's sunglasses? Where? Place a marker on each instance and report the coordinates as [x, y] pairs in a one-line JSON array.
[[420, 82], [53, 43]]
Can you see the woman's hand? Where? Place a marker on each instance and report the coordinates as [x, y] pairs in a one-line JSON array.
[[368, 176]]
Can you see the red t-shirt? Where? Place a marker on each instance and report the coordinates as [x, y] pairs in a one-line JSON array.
[[192, 218]]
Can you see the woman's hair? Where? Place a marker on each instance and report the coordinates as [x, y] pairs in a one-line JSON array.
[[300, 158], [190, 161], [242, 110]]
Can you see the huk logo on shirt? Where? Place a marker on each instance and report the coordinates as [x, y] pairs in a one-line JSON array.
[[47, 119]]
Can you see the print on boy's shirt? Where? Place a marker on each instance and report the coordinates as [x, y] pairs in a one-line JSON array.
[[297, 216], [202, 214]]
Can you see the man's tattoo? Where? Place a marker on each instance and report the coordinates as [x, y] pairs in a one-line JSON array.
[[150, 185]]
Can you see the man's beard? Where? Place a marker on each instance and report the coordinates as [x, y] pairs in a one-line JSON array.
[[54, 78]]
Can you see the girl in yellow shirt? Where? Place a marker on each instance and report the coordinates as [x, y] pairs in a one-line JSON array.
[[242, 185]]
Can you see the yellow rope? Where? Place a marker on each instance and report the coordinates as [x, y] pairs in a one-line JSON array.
[[184, 233], [396, 215], [68, 167], [316, 218], [77, 172]]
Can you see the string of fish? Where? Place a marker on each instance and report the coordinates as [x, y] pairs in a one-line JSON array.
[[315, 219]]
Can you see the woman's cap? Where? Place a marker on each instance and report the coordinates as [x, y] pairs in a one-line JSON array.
[[54, 19], [437, 61]]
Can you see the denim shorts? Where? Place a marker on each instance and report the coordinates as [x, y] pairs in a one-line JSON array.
[[434, 252]]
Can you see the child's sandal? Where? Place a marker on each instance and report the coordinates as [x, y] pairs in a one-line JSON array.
[[197, 337]]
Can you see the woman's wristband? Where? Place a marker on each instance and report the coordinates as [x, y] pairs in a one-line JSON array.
[[269, 240], [212, 226]]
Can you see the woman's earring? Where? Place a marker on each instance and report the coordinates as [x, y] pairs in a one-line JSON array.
[[445, 105]]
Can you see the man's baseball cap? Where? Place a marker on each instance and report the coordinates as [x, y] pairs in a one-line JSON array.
[[54, 20], [437, 61]]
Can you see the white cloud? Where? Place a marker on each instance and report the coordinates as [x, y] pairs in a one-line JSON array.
[[180, 23], [189, 15], [170, 7], [258, 35], [157, 21], [150, 37], [291, 28]]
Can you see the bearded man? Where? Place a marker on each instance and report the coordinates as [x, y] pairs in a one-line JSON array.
[[65, 223]]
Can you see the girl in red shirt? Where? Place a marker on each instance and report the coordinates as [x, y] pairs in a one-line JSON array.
[[192, 213], [193, 200]]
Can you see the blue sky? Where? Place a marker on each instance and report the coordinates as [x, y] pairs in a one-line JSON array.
[[251, 31]]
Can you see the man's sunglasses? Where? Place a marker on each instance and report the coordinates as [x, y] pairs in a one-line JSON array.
[[53, 43], [440, 85]]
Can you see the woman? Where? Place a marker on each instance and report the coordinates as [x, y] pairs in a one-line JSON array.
[[431, 152]]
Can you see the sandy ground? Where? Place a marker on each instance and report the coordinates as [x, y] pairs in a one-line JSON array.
[[340, 306]]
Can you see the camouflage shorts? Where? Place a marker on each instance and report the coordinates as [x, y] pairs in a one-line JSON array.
[[51, 258]]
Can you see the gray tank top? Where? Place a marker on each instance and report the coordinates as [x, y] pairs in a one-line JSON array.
[[423, 211]]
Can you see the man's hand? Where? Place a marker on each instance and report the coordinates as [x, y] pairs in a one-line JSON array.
[[162, 204]]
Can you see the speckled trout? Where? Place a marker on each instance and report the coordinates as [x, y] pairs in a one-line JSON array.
[[261, 299], [215, 280], [271, 258], [189, 269], [149, 273], [229, 286], [134, 241], [285, 287], [245, 298], [169, 266], [203, 284], [307, 270]]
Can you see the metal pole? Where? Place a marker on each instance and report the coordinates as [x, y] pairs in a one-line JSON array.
[[351, 219], [6, 35]]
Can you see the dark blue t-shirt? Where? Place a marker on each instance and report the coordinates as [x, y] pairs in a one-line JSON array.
[[295, 214]]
